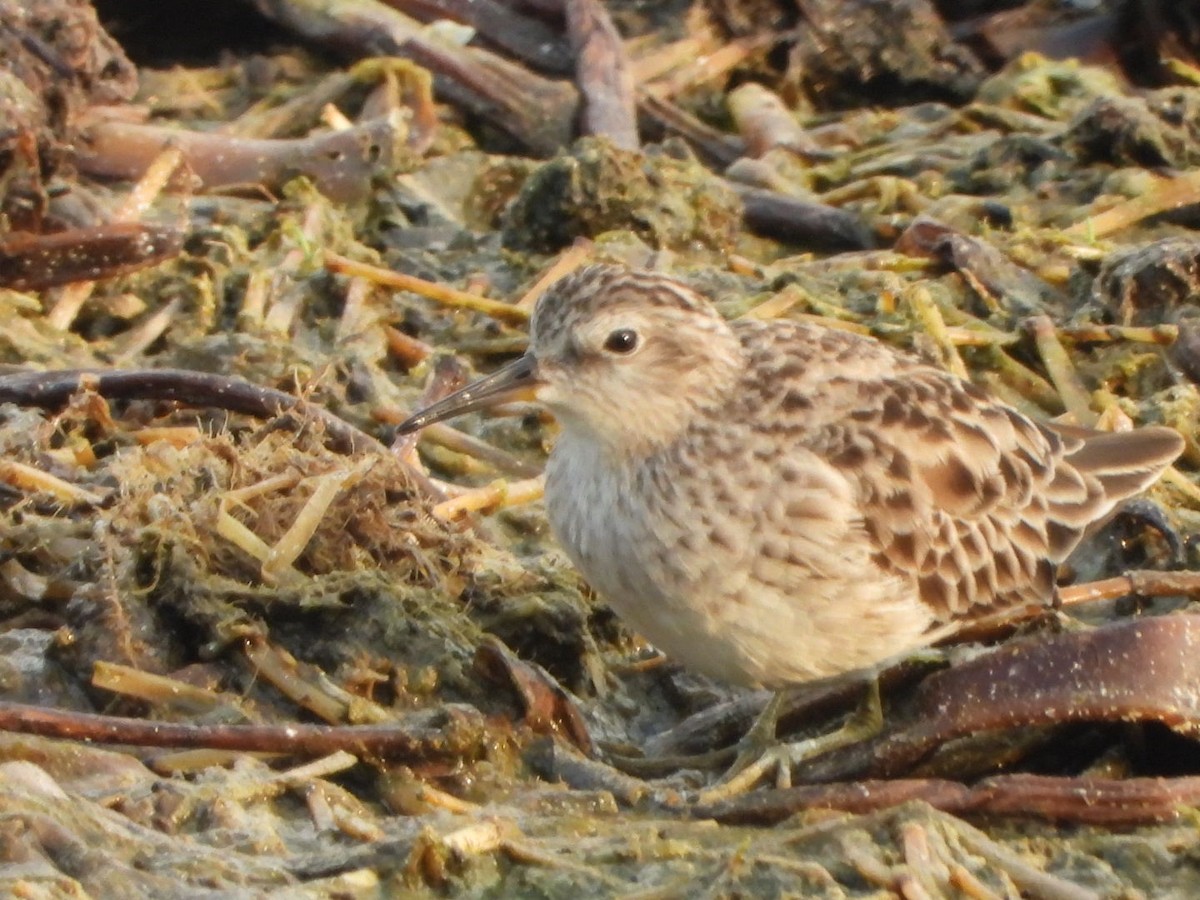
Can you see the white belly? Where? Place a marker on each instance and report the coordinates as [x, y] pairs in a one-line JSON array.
[[626, 555], [715, 609]]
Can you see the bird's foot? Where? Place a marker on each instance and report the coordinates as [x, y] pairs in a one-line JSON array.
[[761, 752]]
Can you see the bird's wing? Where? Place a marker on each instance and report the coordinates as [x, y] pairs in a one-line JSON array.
[[960, 493], [961, 496]]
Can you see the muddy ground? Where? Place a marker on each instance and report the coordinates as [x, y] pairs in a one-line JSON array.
[[253, 646]]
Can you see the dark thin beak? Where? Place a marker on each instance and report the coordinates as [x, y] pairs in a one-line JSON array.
[[514, 381]]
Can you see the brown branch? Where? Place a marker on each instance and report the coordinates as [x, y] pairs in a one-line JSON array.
[[998, 281], [603, 74], [453, 732], [1082, 800], [549, 709], [715, 148], [341, 164], [1137, 583], [34, 262], [53, 389], [537, 111], [524, 37]]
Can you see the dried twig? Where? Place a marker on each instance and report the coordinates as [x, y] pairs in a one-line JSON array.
[[1166, 195], [151, 182], [714, 147], [431, 290], [1083, 800], [519, 35], [568, 261], [930, 316], [340, 163], [548, 707], [453, 732], [497, 495], [33, 262], [538, 112], [53, 389], [1075, 396], [460, 442], [603, 74], [28, 478]]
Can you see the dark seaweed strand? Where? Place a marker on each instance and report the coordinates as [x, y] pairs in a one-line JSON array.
[[53, 389]]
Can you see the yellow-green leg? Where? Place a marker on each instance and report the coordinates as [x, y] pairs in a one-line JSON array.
[[761, 751]]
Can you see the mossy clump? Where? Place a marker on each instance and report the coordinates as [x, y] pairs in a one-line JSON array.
[[667, 198]]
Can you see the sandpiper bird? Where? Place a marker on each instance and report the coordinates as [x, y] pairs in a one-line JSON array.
[[774, 502]]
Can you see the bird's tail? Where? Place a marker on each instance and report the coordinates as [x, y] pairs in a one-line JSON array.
[[1101, 470]]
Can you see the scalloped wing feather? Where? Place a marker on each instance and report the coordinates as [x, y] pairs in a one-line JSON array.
[[972, 500]]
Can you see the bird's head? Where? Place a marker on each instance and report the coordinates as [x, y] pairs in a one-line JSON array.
[[621, 357]]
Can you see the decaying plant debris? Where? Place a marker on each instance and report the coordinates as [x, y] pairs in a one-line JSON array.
[[325, 663]]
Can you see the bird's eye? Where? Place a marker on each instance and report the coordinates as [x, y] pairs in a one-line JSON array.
[[623, 341]]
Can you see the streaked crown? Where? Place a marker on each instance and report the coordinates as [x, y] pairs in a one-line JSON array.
[[593, 289]]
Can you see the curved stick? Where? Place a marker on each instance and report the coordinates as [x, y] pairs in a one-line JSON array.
[[53, 389]]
